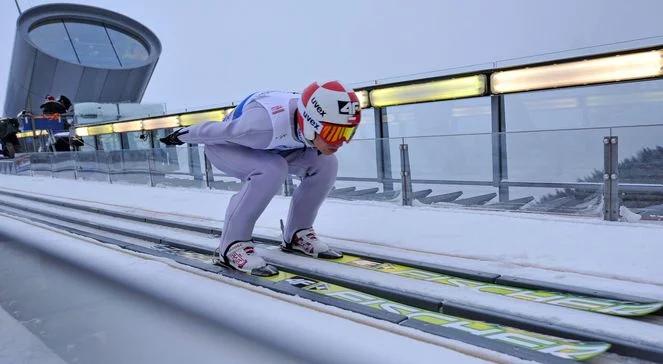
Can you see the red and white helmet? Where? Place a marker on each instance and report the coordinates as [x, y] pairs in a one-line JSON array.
[[330, 110]]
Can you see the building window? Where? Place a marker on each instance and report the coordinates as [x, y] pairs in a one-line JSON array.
[[89, 44]]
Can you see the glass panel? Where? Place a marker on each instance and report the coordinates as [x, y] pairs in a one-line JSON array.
[[52, 39], [92, 165], [40, 164], [138, 140], [458, 158], [440, 118], [129, 166], [88, 143], [640, 151], [176, 167], [109, 142], [560, 171], [450, 170], [356, 161], [366, 129], [633, 103], [130, 50], [92, 45], [63, 165], [556, 156]]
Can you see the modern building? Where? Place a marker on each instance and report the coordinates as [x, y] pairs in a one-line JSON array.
[[87, 53]]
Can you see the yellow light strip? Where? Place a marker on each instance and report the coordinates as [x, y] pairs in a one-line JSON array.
[[127, 126], [28, 134], [363, 99], [429, 91], [82, 131], [100, 129], [216, 115], [161, 123], [606, 69]]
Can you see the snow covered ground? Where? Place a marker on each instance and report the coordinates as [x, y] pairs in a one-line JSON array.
[[249, 324], [613, 256], [587, 252]]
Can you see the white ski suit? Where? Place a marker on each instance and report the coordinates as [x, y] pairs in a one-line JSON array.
[[259, 143]]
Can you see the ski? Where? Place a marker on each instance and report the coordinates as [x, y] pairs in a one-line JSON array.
[[592, 304], [545, 344], [559, 347]]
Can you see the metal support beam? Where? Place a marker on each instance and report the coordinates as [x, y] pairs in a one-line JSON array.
[[194, 161], [209, 172], [382, 150], [75, 162], [149, 156], [288, 186], [500, 171], [406, 178], [610, 178]]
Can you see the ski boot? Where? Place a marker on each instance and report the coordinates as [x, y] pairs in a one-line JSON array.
[[306, 241], [241, 256], [173, 138]]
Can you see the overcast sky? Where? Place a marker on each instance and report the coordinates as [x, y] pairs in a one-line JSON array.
[[218, 51]]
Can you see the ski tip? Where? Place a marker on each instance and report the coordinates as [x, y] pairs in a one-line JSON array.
[[330, 254], [266, 271]]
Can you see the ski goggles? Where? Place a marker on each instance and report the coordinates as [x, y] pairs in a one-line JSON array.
[[335, 134]]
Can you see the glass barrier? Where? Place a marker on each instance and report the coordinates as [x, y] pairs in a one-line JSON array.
[[553, 171], [358, 175], [92, 165], [564, 156], [546, 171], [585, 107], [465, 116], [40, 164], [557, 171], [129, 166], [640, 169], [64, 165], [177, 167]]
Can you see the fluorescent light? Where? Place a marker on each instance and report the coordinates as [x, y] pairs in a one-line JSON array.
[[28, 134], [161, 123], [127, 126], [453, 88], [195, 118], [82, 131], [607, 69], [100, 129], [363, 99]]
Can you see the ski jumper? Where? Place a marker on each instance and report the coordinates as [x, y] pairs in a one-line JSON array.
[[258, 142]]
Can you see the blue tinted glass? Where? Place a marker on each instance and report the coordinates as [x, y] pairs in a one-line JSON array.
[[92, 45], [52, 39], [130, 50]]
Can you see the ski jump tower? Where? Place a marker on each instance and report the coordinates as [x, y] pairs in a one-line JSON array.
[[87, 53]]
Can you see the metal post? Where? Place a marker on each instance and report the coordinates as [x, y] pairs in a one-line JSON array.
[[209, 172], [610, 179], [50, 158], [406, 179], [75, 158], [34, 132], [498, 128], [194, 160], [288, 186], [148, 153], [382, 150], [110, 180]]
